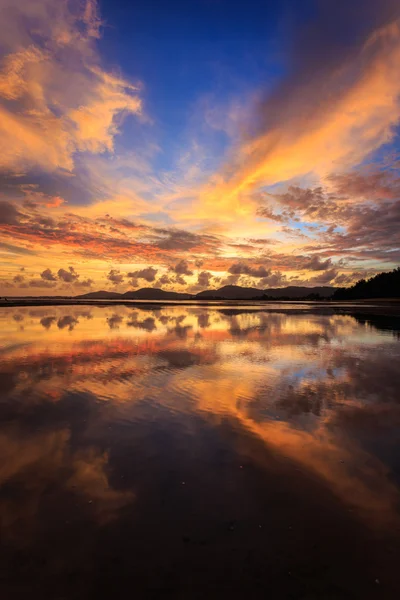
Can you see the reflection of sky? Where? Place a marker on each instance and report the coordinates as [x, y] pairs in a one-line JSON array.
[[303, 384]]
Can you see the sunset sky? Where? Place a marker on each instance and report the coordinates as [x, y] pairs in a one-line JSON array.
[[192, 144]]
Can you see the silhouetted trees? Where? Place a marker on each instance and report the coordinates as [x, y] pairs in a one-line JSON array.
[[384, 285]]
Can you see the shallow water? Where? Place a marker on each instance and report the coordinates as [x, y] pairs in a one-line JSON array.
[[188, 451]]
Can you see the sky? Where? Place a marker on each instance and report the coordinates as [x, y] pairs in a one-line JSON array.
[[189, 145]]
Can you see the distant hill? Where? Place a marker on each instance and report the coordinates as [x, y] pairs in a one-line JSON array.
[[155, 294], [101, 295], [384, 285], [294, 291], [236, 292], [227, 292], [231, 292]]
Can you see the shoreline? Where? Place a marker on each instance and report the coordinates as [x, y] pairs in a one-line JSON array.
[[389, 307]]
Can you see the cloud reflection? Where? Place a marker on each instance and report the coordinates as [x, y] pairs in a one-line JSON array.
[[314, 388]]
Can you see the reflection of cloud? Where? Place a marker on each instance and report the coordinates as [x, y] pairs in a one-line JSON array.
[[351, 473], [147, 324], [47, 322], [90, 479], [67, 321], [114, 321], [34, 461], [297, 382]]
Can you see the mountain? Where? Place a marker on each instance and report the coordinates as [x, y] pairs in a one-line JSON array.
[[101, 295], [231, 292], [293, 291], [227, 292], [236, 292], [155, 294], [383, 285]]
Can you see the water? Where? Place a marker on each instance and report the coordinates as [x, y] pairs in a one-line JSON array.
[[191, 452]]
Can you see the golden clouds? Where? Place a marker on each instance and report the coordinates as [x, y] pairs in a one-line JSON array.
[[329, 122], [55, 98]]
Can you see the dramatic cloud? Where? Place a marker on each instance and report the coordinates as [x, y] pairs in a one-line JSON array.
[[47, 275], [316, 264], [84, 283], [204, 278], [182, 268], [149, 274], [55, 99], [304, 190], [115, 276], [240, 268], [68, 276], [337, 104]]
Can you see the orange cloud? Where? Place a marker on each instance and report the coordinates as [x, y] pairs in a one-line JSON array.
[[55, 98], [318, 131]]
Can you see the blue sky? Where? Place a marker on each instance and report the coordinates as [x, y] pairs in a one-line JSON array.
[[194, 144]]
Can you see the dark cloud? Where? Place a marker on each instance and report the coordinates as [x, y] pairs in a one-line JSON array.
[[47, 275], [19, 279], [177, 239], [182, 268], [179, 280], [69, 276], [354, 229], [316, 264], [204, 278], [149, 274], [106, 238], [83, 283], [9, 215], [378, 185], [115, 276], [325, 277], [241, 268], [12, 249], [38, 283], [163, 280], [273, 280], [268, 213]]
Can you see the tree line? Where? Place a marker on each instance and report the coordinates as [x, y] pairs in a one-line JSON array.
[[383, 285]]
